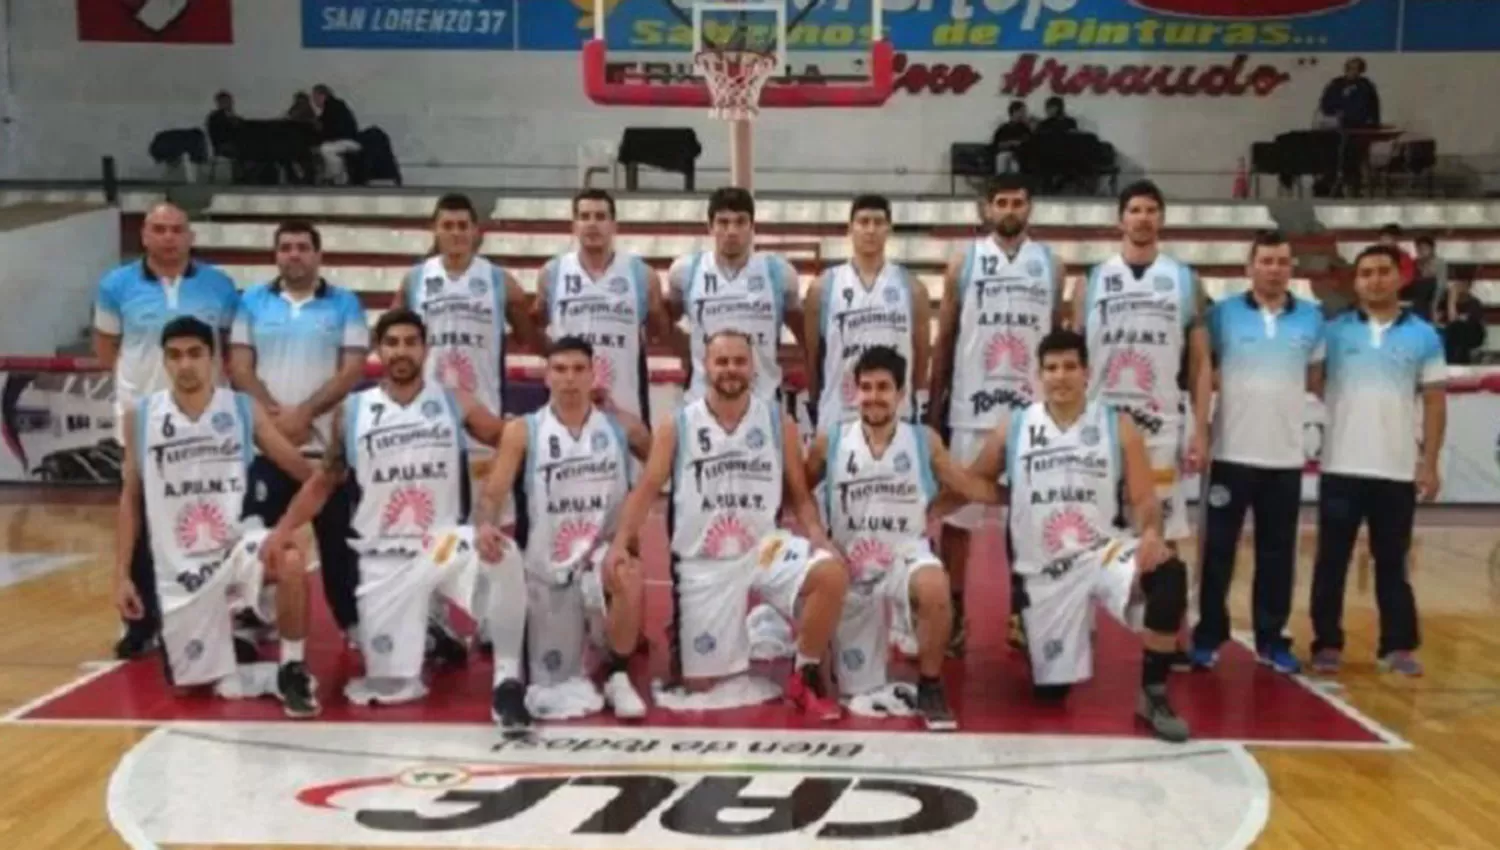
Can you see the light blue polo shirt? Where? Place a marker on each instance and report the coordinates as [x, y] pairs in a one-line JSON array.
[[298, 343], [1375, 372], [134, 303], [1263, 355]]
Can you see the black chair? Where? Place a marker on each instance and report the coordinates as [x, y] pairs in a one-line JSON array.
[[674, 149], [1411, 161], [970, 160]]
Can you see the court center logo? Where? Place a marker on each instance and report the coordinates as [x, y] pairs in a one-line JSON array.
[[1007, 349], [200, 527], [455, 370], [410, 510]]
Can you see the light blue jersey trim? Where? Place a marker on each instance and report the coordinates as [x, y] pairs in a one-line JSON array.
[[1186, 293], [775, 414], [966, 271], [413, 287], [142, 412], [679, 460], [924, 462], [1112, 434], [533, 423], [458, 420], [827, 306], [497, 289], [247, 422], [1090, 294], [1012, 440], [776, 269], [692, 279], [624, 445], [830, 467], [642, 274], [352, 407]]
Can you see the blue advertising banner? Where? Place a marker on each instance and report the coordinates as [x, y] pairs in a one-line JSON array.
[[1453, 25], [410, 24], [1012, 25]]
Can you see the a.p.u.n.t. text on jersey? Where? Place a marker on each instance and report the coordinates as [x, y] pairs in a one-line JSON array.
[[609, 312], [752, 301], [465, 318], [855, 317], [726, 485], [876, 506], [1064, 485]]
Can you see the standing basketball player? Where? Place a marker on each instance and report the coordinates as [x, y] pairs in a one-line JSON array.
[[402, 444], [1143, 315], [1000, 297], [859, 304], [609, 299], [882, 476], [735, 287], [730, 456], [1065, 461], [575, 458], [187, 460]]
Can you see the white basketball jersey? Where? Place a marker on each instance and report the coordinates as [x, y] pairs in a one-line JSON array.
[[408, 462], [465, 317], [609, 312], [1005, 307], [194, 476], [876, 506], [572, 490], [752, 302], [1136, 329], [726, 486], [1064, 484], [856, 317]]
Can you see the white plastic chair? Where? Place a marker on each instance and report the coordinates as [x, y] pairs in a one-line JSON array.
[[598, 155]]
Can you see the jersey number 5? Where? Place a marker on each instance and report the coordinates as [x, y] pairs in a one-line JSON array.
[[703, 444]]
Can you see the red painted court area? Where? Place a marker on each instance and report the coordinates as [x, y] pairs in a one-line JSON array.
[[990, 689]]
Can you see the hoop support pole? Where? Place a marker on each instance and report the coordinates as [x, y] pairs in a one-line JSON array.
[[741, 154]]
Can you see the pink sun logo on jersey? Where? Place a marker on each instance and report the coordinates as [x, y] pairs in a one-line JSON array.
[[1134, 363], [869, 558], [573, 538], [456, 371], [1006, 348], [1066, 529], [201, 527], [727, 537], [604, 373], [410, 509]]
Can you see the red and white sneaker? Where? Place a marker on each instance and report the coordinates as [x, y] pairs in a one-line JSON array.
[[809, 700]]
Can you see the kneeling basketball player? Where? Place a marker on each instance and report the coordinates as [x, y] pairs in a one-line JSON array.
[[400, 447], [187, 461], [569, 465], [730, 457], [1066, 459], [882, 477]]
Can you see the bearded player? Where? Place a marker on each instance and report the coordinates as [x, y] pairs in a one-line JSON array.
[[610, 299], [187, 465], [735, 287], [1066, 460], [857, 305], [568, 464], [882, 476], [400, 447], [1000, 297], [1142, 313], [731, 457]]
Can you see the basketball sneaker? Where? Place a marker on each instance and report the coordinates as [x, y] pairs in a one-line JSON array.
[[508, 707], [1153, 707], [621, 696], [1404, 663], [444, 646], [932, 705], [297, 690], [1326, 661], [805, 691]]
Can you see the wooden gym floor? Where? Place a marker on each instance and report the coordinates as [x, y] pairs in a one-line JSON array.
[[1421, 771]]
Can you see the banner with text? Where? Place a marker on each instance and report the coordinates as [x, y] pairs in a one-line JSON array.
[[1012, 25], [409, 24], [156, 21]]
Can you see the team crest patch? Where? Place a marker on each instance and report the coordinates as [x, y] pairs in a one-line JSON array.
[[1162, 283], [902, 462], [223, 422], [756, 283], [433, 285], [755, 439], [431, 409], [552, 660], [892, 295], [478, 286], [854, 659], [382, 644], [599, 442], [1218, 496], [194, 650], [1089, 435], [704, 644], [1034, 268], [618, 285]]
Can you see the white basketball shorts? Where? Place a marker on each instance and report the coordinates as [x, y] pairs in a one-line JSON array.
[[1058, 617], [964, 448], [1166, 473], [564, 617], [874, 598], [396, 593], [713, 599], [197, 617]]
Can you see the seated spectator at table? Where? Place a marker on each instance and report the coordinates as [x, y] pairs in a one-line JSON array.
[[1009, 138], [337, 130], [302, 109], [1057, 119], [1464, 331], [221, 124]]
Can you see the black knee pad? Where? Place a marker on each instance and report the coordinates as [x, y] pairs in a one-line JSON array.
[[1166, 596], [1051, 693]]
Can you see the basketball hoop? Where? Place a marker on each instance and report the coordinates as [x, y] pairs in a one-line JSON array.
[[735, 79]]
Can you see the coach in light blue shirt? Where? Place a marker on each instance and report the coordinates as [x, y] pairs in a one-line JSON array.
[[1265, 343], [299, 346], [1383, 362], [134, 303]]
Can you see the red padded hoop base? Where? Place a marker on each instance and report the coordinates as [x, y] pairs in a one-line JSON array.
[[776, 95]]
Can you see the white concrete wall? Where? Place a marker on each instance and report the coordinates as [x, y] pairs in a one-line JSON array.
[[49, 273], [457, 117]]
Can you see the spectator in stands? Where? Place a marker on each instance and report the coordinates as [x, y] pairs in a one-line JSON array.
[[337, 130], [1057, 119], [1010, 137], [1391, 235], [1429, 266], [302, 109], [1464, 333], [222, 124], [1351, 100]]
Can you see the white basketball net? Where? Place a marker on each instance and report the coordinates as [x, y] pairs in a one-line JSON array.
[[735, 79]]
